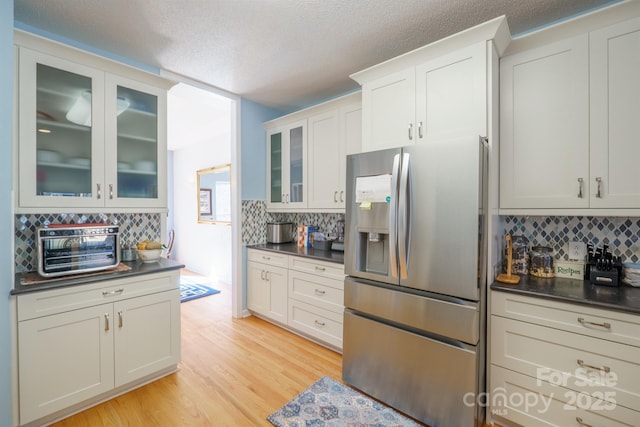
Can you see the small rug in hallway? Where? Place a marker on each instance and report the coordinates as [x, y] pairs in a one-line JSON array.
[[328, 403], [189, 291]]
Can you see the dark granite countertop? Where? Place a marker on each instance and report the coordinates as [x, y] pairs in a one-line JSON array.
[[293, 249], [621, 298], [137, 268]]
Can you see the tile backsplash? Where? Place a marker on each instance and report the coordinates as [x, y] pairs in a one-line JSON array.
[[133, 227], [622, 234], [255, 217]]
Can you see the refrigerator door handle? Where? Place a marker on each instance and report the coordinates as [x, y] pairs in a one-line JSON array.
[[404, 214], [393, 215]]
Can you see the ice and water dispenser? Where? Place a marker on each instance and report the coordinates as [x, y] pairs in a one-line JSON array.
[[373, 204]]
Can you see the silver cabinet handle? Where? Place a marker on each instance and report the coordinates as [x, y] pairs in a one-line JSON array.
[[266, 257], [106, 322], [319, 323], [99, 192], [320, 292], [410, 131], [596, 368], [335, 197], [267, 274], [580, 184], [120, 319], [583, 322], [582, 423], [320, 268], [287, 197], [599, 192], [420, 130], [342, 196], [116, 292], [111, 191], [262, 274], [283, 198]]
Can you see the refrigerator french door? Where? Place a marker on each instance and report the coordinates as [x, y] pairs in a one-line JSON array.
[[414, 328]]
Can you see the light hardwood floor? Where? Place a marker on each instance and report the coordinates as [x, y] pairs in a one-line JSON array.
[[234, 372]]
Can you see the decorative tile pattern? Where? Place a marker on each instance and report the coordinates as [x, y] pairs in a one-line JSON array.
[[255, 218], [133, 228], [622, 234]]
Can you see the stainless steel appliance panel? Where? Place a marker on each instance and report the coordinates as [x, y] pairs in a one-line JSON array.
[[445, 316], [421, 377], [370, 258], [440, 218]]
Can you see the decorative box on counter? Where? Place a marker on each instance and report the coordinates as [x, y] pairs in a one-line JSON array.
[[304, 235], [569, 270]]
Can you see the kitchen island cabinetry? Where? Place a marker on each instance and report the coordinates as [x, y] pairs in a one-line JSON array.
[[78, 345], [91, 133], [436, 92], [570, 108], [580, 359], [308, 301]]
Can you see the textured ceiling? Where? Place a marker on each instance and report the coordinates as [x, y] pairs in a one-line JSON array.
[[281, 53]]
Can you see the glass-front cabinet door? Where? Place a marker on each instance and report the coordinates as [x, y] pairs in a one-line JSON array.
[[286, 167], [135, 157], [61, 132]]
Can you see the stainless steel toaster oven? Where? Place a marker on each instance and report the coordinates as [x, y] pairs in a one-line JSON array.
[[74, 249]]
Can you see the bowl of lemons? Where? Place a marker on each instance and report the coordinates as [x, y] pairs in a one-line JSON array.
[[149, 251]]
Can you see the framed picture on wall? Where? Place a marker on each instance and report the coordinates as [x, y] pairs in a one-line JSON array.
[[205, 201]]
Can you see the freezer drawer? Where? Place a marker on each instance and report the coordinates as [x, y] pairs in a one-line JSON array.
[[424, 378], [445, 316]]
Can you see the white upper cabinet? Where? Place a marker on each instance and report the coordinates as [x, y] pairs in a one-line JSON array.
[[615, 116], [332, 136], [436, 92], [544, 127], [306, 155], [569, 123], [91, 133]]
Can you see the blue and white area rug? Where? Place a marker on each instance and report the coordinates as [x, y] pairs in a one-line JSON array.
[[189, 291], [328, 403]]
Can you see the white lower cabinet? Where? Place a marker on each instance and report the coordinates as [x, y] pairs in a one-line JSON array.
[[69, 356], [560, 364], [307, 296]]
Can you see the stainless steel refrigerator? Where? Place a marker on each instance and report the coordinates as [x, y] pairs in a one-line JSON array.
[[415, 292]]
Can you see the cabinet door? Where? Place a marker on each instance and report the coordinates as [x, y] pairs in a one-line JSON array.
[[351, 138], [388, 111], [451, 95], [257, 288], [64, 359], [296, 163], [136, 140], [61, 131], [326, 162], [147, 335], [275, 183], [615, 113], [544, 127], [277, 278]]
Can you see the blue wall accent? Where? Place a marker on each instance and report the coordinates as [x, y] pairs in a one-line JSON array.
[[6, 215], [254, 148], [70, 42]]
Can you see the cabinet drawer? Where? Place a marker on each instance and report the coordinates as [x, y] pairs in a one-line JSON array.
[[321, 268], [588, 365], [317, 290], [606, 324], [266, 257], [322, 324], [45, 303], [519, 398]]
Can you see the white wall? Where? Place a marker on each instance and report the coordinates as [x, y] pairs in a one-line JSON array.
[[199, 132]]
